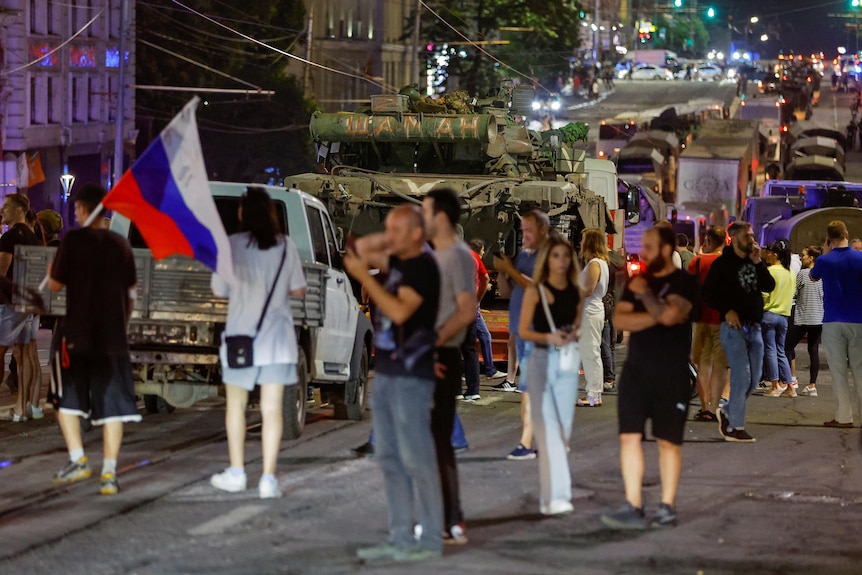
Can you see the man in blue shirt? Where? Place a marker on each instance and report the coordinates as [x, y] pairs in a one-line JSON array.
[[535, 226], [841, 273]]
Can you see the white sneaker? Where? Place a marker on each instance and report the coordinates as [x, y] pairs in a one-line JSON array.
[[497, 375], [268, 488], [227, 481], [34, 412], [557, 507]]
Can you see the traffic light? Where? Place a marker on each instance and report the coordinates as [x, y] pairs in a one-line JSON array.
[[854, 3], [710, 12], [678, 3]]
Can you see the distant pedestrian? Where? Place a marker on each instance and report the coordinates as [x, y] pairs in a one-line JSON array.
[[268, 273], [807, 318], [16, 327], [441, 209], [707, 352], [535, 226], [595, 281], [550, 318], [734, 287], [405, 313], [484, 335], [777, 306], [856, 244], [97, 269], [841, 273], [685, 253], [657, 308]]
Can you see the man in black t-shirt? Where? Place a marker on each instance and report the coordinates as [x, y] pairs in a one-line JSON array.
[[98, 271], [405, 310], [14, 326], [657, 309]]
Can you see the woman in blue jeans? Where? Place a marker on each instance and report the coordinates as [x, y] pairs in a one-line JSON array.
[[776, 312], [553, 385]]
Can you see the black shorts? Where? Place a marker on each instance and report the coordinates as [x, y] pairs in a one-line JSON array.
[[99, 387], [661, 396]]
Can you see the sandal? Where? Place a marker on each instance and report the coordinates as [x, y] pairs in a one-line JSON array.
[[704, 415]]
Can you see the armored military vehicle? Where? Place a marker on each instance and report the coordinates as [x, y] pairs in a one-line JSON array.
[[406, 145]]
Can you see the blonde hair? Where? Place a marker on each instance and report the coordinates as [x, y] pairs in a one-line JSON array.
[[593, 242], [540, 272]]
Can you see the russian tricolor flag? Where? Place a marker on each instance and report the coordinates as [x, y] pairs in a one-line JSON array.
[[167, 195]]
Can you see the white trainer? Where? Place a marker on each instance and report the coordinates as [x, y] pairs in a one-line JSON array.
[[558, 507], [227, 481], [268, 488]]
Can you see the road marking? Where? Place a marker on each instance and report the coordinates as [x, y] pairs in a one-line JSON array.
[[228, 520]]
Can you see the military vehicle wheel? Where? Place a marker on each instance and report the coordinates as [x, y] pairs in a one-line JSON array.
[[293, 403], [350, 402], [157, 404]]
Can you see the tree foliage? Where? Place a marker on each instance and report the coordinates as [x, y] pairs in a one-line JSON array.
[[541, 50], [250, 138], [678, 31]]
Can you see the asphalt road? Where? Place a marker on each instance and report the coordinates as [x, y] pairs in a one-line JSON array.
[[787, 504]]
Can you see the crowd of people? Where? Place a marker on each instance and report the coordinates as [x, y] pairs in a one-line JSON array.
[[734, 310]]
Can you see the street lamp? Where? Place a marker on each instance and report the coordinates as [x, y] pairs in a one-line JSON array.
[[67, 180]]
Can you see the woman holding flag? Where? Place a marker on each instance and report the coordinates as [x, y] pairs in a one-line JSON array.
[[268, 273]]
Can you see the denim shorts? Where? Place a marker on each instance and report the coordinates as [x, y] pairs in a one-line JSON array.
[[15, 327]]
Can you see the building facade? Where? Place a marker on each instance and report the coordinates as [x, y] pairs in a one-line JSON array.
[[58, 94], [363, 38]]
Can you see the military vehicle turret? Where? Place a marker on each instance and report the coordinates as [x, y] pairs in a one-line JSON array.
[[406, 145]]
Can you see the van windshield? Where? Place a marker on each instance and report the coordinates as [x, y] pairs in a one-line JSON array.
[[228, 208]]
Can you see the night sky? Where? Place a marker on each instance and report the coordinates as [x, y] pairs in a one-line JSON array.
[[801, 26]]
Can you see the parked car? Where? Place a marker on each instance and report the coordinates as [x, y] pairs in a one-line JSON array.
[[650, 72], [709, 72]]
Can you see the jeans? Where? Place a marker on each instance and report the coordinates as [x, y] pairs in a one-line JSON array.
[[843, 344], [484, 336], [471, 361], [404, 449], [609, 352], [442, 425], [744, 350], [774, 328], [552, 410], [591, 352]]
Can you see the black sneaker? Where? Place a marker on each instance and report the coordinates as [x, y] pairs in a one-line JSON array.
[[364, 450], [74, 471], [626, 517], [665, 516], [722, 422], [506, 385], [739, 436]]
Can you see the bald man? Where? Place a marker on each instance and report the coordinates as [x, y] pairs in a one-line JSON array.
[[405, 311]]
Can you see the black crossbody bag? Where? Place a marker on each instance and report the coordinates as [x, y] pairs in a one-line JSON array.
[[240, 348]]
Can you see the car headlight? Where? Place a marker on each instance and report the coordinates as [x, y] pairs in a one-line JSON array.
[[537, 106], [555, 105]]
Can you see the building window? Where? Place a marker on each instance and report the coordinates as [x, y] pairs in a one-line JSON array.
[[80, 99], [38, 17], [53, 100], [53, 18], [38, 100], [96, 96]]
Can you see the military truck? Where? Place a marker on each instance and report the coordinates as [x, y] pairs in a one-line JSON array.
[[176, 325], [405, 145]]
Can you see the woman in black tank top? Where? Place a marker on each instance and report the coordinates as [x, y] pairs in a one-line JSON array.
[[553, 390]]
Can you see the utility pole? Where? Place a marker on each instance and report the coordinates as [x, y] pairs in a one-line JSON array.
[[120, 119], [414, 61], [306, 73], [596, 32]]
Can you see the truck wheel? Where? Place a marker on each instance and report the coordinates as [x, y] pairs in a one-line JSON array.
[[351, 404], [293, 403], [157, 404]]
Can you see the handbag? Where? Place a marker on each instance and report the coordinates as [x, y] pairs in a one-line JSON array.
[[240, 348], [570, 358]]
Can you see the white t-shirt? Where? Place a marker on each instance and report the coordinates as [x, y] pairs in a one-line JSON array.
[[255, 271], [593, 303]]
